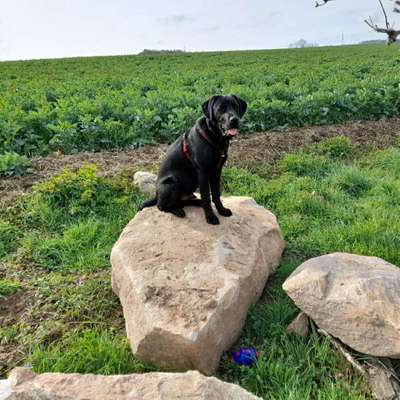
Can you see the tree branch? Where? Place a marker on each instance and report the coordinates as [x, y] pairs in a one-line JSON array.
[[317, 4], [384, 13]]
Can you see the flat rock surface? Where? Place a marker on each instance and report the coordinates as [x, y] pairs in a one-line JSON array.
[[25, 385], [186, 286], [354, 298]]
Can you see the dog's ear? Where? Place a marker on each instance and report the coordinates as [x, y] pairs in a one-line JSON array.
[[242, 105], [208, 107]]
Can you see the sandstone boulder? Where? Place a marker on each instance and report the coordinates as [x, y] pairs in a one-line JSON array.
[[354, 298], [25, 385], [146, 182], [186, 286]]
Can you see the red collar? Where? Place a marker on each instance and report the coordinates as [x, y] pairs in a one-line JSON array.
[[186, 151], [204, 135]]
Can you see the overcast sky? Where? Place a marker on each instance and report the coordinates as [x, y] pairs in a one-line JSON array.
[[65, 28]]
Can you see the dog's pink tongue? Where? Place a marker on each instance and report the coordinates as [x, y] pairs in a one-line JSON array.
[[232, 132]]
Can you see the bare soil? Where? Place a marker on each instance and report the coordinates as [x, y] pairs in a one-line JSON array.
[[264, 147]]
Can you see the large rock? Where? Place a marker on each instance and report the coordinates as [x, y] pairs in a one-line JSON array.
[[186, 286], [25, 385], [354, 298]]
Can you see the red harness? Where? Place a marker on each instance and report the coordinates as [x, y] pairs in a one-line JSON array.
[[185, 148], [186, 152]]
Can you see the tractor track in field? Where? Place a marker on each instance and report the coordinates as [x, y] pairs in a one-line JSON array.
[[264, 147]]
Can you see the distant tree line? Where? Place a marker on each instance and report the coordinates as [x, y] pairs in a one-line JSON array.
[[152, 51], [301, 44]]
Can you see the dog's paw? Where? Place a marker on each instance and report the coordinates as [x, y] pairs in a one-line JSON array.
[[179, 212], [212, 219], [225, 212]]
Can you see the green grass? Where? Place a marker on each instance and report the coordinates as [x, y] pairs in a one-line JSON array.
[[71, 221], [96, 103], [324, 204], [8, 237], [87, 351], [327, 198], [8, 287]]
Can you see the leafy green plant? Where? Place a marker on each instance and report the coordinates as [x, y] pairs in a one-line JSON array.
[[117, 102], [12, 164]]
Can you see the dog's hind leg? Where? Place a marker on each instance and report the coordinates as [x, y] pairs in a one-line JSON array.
[[168, 198], [191, 203]]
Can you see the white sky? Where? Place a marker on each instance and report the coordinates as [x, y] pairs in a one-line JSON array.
[[65, 28]]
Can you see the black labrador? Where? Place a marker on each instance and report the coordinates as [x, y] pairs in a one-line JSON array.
[[196, 159]]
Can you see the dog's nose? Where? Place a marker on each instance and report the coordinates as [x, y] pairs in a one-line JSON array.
[[234, 121]]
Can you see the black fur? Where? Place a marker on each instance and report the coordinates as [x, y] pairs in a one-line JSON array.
[[179, 177]]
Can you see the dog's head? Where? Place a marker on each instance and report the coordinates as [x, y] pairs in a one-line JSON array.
[[225, 113]]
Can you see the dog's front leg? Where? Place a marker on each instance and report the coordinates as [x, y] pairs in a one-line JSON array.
[[215, 184], [204, 183]]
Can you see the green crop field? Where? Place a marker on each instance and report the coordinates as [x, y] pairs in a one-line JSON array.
[[98, 103]]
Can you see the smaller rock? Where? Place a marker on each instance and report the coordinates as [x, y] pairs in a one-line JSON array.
[[300, 325], [353, 298], [146, 182], [25, 385]]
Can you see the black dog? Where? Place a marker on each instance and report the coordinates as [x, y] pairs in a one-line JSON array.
[[196, 159]]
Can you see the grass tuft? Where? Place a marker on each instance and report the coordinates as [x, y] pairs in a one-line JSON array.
[[304, 164], [88, 351], [8, 287], [338, 147]]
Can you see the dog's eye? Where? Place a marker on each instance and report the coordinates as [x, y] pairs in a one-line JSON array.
[[221, 109]]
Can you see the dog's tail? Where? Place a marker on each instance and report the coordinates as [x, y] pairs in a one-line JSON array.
[[148, 203]]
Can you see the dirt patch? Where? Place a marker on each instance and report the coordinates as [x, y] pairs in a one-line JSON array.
[[12, 310], [271, 146], [258, 147]]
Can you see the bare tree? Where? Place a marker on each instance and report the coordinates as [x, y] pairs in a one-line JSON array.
[[317, 4], [324, 2], [392, 34]]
